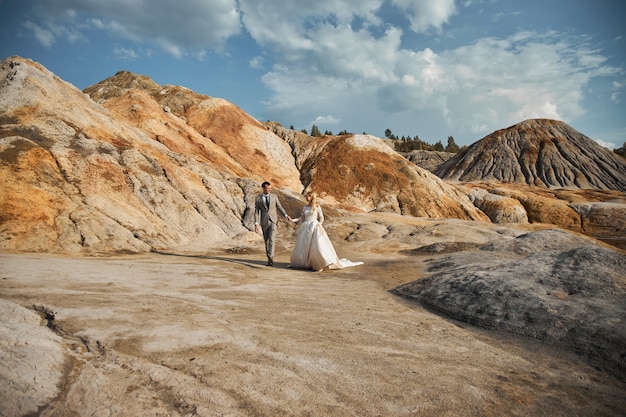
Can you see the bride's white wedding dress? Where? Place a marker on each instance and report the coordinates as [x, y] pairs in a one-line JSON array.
[[313, 248]]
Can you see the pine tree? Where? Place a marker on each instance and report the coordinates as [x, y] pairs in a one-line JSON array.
[[452, 146]]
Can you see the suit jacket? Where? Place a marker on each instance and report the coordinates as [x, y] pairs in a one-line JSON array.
[[264, 214]]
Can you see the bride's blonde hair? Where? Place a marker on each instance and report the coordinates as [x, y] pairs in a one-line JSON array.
[[313, 202]]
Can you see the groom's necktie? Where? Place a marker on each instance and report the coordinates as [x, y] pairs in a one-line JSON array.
[[267, 200]]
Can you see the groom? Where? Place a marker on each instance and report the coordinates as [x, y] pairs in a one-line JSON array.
[[265, 214]]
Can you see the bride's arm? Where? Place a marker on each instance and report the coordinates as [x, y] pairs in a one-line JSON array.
[[299, 219], [320, 215]]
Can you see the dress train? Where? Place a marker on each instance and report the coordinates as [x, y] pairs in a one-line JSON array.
[[313, 248]]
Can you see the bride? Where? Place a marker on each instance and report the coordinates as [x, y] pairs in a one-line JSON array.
[[313, 249]]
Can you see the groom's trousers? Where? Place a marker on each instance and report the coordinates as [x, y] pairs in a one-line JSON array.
[[269, 236]]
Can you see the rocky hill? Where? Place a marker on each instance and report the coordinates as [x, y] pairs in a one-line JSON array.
[[142, 167], [199, 326], [129, 165], [362, 171], [539, 152]]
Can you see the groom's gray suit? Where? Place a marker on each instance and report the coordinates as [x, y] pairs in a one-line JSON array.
[[267, 216]]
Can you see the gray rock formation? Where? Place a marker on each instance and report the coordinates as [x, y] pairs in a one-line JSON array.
[[548, 285], [539, 152], [428, 160]]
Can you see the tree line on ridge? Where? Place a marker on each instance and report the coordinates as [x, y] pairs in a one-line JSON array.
[[402, 144], [408, 143]]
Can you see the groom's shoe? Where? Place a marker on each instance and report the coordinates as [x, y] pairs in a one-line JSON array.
[[270, 261]]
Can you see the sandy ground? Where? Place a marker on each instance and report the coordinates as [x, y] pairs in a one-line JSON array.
[[223, 335]]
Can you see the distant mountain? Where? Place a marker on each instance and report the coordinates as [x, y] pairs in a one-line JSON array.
[[540, 152]]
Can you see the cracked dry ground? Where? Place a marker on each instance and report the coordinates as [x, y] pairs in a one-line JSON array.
[[222, 334]]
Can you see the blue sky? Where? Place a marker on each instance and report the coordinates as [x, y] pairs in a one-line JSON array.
[[432, 68]]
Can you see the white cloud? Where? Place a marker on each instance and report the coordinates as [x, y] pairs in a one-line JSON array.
[[473, 89], [43, 36], [256, 62], [301, 21], [175, 27], [325, 120], [426, 14], [170, 47], [501, 15], [525, 76], [608, 145], [616, 96], [288, 25], [340, 58], [125, 53]]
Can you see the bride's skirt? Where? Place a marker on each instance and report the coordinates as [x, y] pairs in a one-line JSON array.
[[314, 250]]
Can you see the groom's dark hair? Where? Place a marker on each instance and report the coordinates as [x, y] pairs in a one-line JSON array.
[[265, 184]]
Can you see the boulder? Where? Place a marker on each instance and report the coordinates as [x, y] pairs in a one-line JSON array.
[[500, 209], [549, 285]]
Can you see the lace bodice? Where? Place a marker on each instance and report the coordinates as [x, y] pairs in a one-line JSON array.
[[309, 215]]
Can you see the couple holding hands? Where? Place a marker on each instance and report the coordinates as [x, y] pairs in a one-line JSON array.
[[313, 249]]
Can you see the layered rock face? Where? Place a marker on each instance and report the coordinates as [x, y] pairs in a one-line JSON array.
[[146, 167], [428, 160], [597, 213], [362, 171], [212, 128], [77, 176], [538, 152], [137, 166]]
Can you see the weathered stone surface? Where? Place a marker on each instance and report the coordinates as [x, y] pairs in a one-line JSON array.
[[602, 219], [597, 213], [548, 285], [79, 177], [428, 160], [499, 208], [539, 152], [153, 168], [32, 361], [195, 124], [362, 171], [202, 334]]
